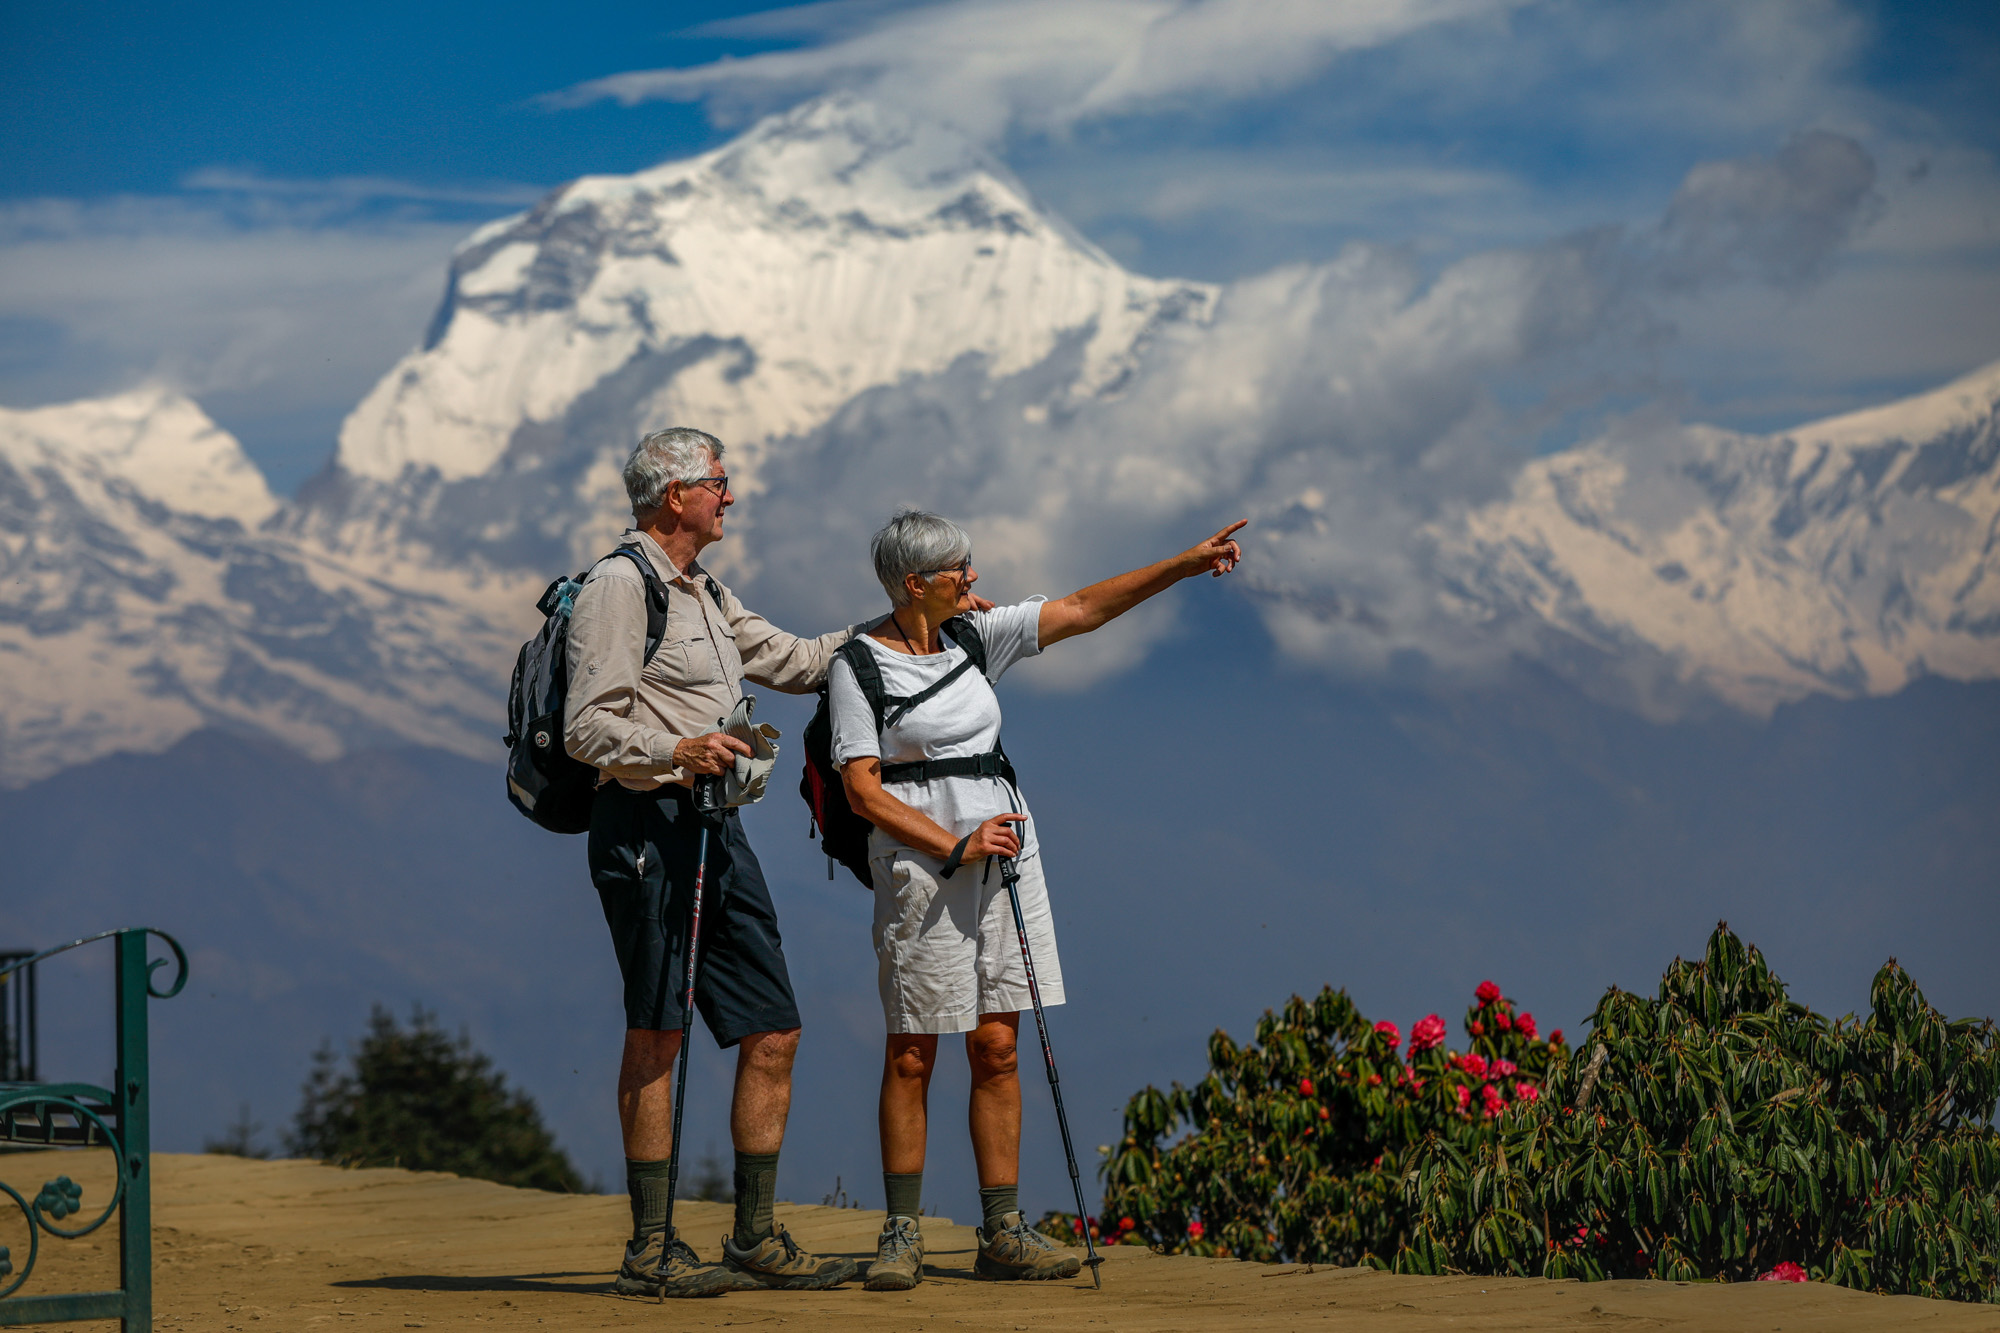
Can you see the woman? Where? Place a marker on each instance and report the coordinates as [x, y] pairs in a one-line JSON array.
[[948, 958]]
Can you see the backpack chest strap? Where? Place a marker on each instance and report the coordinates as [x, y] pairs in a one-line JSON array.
[[992, 764]]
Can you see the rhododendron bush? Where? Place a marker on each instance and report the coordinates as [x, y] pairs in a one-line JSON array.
[[1716, 1130]]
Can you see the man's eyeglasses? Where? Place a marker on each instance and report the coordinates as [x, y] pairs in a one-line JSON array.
[[720, 485], [961, 569]]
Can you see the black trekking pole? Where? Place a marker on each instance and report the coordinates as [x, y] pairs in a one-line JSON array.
[[707, 801], [1011, 877]]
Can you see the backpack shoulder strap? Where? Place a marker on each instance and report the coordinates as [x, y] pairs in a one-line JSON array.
[[966, 636], [867, 674], [656, 599]]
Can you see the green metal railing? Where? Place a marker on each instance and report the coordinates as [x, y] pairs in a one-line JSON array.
[[81, 1115]]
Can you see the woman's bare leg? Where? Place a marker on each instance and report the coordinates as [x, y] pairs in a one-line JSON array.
[[906, 1086], [995, 1113]]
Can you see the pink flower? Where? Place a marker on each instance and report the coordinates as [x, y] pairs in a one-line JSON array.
[[1374, 1080], [1194, 1230], [1502, 1021], [1491, 1101], [1473, 1063], [1476, 1028], [1527, 1092], [1427, 1034], [1416, 1084], [1784, 1272], [1464, 1096], [1325, 1114], [1502, 1068], [1556, 1037], [1487, 992], [1392, 1032], [1305, 1087], [1526, 1024], [1126, 1224]]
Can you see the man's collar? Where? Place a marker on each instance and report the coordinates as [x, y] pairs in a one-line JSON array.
[[663, 563]]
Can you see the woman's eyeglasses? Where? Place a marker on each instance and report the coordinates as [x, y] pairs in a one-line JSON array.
[[961, 569]]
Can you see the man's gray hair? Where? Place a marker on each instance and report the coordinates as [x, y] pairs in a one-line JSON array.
[[914, 542], [678, 453]]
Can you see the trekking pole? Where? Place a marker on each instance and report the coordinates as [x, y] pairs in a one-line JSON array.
[[707, 798], [1011, 878]]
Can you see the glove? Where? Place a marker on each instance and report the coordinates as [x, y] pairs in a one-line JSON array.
[[745, 783]]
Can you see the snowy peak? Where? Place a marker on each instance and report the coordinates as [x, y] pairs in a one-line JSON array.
[[153, 440], [1848, 556], [753, 290]]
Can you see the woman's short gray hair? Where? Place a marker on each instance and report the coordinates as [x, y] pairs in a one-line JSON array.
[[914, 542], [678, 453]]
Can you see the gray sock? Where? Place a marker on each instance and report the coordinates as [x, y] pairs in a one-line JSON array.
[[646, 1182], [905, 1191], [996, 1202], [756, 1190]]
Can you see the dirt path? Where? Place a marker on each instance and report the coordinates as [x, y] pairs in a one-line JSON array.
[[257, 1246]]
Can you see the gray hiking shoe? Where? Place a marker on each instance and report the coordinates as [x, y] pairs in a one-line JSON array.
[[777, 1262], [683, 1274], [1016, 1252], [899, 1256]]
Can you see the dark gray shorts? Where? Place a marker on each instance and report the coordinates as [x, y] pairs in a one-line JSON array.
[[741, 984]]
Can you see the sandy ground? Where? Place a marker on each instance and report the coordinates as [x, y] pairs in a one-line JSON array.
[[294, 1245]]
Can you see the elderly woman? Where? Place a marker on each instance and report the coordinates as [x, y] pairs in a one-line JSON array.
[[948, 956]]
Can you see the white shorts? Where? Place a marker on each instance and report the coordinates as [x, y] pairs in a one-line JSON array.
[[946, 950]]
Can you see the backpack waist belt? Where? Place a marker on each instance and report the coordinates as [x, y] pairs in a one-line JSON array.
[[992, 764]]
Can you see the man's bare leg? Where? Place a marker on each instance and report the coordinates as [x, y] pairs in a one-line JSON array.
[[646, 1093], [757, 1115], [763, 1096]]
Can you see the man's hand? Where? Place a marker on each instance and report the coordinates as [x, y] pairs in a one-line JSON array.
[[994, 838], [1218, 555], [710, 754]]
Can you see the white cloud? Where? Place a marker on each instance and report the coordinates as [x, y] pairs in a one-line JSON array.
[[986, 66]]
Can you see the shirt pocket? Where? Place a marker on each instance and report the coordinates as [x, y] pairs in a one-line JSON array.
[[685, 659]]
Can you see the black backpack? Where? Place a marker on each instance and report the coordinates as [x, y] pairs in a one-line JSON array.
[[843, 834], [543, 781]]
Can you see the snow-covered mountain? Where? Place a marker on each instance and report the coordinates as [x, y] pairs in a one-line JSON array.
[[140, 601], [753, 290], [870, 311], [1847, 557]]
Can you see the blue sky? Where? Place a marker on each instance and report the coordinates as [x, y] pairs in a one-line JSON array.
[[255, 202]]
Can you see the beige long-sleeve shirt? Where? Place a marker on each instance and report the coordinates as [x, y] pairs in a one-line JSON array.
[[626, 720]]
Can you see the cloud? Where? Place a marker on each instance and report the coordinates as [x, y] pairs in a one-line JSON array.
[[989, 65], [1349, 406], [1779, 218], [270, 318], [353, 191]]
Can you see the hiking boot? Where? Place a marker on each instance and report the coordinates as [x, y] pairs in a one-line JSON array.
[[1016, 1252], [642, 1273], [899, 1256], [777, 1262]]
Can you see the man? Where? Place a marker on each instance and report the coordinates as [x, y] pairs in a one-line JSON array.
[[651, 730]]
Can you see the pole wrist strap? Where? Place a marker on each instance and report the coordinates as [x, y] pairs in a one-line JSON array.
[[957, 856]]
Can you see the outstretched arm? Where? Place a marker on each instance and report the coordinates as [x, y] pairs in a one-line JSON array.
[[1099, 604]]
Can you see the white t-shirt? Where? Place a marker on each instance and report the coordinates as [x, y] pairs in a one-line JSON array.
[[961, 719]]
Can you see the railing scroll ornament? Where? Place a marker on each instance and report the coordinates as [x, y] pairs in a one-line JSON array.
[[81, 1115]]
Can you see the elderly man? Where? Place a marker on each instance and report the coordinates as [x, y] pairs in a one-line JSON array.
[[650, 727]]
